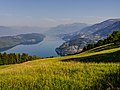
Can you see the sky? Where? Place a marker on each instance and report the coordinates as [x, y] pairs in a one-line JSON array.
[[49, 13]]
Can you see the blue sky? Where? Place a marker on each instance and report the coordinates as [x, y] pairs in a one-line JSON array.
[[47, 13]]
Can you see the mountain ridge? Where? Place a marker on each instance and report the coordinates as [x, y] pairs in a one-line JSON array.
[[66, 28], [106, 29]]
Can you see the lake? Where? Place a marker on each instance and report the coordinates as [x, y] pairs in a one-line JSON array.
[[46, 48]]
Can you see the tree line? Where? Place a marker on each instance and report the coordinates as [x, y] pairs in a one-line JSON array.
[[13, 58], [111, 38]]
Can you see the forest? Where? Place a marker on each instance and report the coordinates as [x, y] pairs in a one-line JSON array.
[[111, 38], [13, 58]]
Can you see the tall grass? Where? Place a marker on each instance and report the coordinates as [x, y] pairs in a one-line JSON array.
[[54, 74], [59, 76]]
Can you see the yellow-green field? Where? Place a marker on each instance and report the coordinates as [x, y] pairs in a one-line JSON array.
[[89, 70]]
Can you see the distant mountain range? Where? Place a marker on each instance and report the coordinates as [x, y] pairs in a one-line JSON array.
[[90, 29], [15, 30], [89, 34], [66, 28]]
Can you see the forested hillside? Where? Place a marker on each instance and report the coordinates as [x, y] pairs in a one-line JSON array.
[[112, 38]]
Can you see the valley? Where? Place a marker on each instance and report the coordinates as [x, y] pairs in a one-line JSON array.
[[96, 67], [59, 45], [45, 48]]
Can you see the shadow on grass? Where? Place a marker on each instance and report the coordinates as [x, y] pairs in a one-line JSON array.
[[111, 46], [109, 57], [109, 81]]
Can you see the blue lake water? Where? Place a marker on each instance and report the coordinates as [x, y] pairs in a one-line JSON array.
[[45, 48]]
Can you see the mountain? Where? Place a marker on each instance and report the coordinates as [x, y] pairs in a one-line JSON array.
[[92, 33], [66, 28], [90, 29], [99, 26], [15, 30], [73, 46], [7, 42], [108, 30], [4, 30]]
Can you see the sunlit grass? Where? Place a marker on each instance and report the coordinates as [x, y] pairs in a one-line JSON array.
[[57, 74]]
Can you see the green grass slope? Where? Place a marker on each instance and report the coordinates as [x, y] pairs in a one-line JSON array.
[[89, 70]]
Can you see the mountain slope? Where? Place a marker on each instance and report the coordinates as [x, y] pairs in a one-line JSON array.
[[108, 30], [73, 46], [69, 72], [101, 30], [91, 29], [99, 26]]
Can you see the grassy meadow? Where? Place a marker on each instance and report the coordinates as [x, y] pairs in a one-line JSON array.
[[96, 69]]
